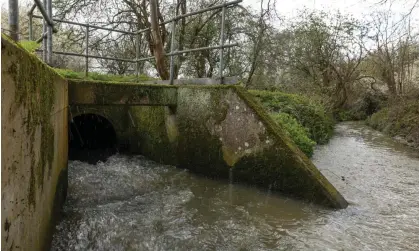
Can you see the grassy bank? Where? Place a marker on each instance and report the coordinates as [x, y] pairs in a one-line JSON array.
[[399, 119], [306, 121], [101, 76]]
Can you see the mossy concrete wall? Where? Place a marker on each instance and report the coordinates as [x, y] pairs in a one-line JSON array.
[[34, 148], [114, 93], [212, 129], [223, 127]]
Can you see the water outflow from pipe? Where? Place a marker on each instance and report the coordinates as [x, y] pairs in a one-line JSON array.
[[230, 186], [132, 203], [91, 138]]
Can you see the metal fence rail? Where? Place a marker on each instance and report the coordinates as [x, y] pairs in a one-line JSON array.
[[49, 28]]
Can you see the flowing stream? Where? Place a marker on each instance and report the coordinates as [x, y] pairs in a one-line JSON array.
[[132, 203]]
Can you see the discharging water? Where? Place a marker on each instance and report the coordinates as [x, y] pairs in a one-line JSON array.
[[131, 203]]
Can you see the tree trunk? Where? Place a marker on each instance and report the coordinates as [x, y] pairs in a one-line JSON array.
[[158, 48], [388, 76]]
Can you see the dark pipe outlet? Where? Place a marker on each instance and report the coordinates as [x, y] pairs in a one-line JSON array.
[[92, 138]]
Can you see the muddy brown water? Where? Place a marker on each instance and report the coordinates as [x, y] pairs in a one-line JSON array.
[[132, 203]]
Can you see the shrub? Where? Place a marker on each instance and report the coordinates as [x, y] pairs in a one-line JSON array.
[[296, 131], [400, 118], [308, 113]]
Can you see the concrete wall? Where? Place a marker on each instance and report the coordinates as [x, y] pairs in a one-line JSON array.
[[213, 129], [34, 149], [223, 127]]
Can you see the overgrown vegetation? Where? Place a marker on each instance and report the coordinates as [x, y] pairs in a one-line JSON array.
[[298, 133], [308, 113], [400, 119], [306, 121]]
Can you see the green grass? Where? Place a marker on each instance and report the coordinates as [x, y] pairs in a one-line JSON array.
[[296, 131], [101, 76], [308, 113]]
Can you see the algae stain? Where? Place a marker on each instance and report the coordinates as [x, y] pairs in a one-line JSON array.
[[34, 91], [229, 156], [171, 128]]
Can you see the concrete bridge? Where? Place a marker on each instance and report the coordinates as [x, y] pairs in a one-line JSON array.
[[206, 129]]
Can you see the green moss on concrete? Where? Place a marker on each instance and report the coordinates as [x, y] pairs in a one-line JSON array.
[[198, 149], [84, 82], [29, 45], [81, 92], [70, 74], [35, 91], [154, 133]]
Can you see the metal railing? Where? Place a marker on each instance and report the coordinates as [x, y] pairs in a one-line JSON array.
[[48, 28]]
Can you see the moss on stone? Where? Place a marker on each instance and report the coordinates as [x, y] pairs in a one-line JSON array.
[[303, 178], [76, 81], [154, 133], [201, 113], [34, 90], [198, 149], [108, 93]]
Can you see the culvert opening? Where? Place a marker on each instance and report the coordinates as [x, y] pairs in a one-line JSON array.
[[92, 138]]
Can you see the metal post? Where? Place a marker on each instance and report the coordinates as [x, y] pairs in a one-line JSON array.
[[137, 55], [222, 43], [87, 51], [14, 19], [49, 33], [30, 26], [44, 41], [172, 45], [45, 14]]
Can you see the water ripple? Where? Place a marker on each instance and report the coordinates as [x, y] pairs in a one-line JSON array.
[[132, 203]]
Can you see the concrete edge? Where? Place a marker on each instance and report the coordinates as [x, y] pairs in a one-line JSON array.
[[335, 198]]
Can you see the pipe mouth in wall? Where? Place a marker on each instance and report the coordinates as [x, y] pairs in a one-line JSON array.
[[92, 138]]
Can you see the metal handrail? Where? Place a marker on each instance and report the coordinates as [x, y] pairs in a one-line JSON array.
[[141, 59], [45, 15], [176, 18], [47, 51], [85, 25]]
